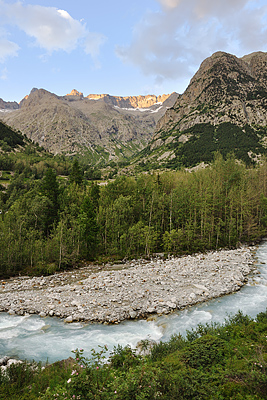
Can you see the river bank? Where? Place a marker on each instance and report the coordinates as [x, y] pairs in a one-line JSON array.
[[139, 289]]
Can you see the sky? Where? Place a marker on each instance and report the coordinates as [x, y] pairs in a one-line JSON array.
[[119, 47]]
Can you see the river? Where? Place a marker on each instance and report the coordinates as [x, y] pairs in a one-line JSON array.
[[50, 339]]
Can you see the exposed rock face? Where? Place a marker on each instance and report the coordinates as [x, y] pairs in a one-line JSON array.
[[224, 89], [75, 92], [8, 105], [131, 101], [74, 123]]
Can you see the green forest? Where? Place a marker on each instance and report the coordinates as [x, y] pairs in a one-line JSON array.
[[51, 221]]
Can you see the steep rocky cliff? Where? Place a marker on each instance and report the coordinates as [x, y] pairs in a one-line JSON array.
[[126, 102], [130, 101]]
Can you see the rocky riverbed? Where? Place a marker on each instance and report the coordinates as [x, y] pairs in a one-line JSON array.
[[139, 289]]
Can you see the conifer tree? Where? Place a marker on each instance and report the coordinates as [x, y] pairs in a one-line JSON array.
[[76, 175]]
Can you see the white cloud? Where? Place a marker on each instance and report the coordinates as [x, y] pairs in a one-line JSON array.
[[4, 74], [169, 3], [92, 45], [171, 43], [7, 48], [52, 29]]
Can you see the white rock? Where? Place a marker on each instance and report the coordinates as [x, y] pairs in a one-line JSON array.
[[146, 287], [200, 287], [69, 319], [13, 361], [170, 305], [42, 314], [133, 314]]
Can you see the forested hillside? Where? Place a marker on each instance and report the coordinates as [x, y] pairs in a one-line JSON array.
[[50, 222]]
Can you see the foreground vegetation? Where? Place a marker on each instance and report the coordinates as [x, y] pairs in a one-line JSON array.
[[49, 222], [213, 362]]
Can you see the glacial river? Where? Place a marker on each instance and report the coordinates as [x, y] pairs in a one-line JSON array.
[[50, 339]]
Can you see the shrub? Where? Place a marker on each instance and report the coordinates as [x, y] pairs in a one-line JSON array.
[[205, 352]]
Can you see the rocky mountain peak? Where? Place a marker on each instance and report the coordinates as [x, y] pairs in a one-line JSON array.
[[36, 97], [224, 109], [75, 93], [33, 90], [224, 89]]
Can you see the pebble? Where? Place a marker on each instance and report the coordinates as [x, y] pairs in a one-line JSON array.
[[42, 314], [137, 289]]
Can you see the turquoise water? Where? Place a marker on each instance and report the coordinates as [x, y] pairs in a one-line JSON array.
[[51, 339]]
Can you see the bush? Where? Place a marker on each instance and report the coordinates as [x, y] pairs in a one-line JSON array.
[[205, 352]]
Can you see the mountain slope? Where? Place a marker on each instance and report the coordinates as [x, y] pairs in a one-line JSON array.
[[98, 127], [223, 109], [9, 139]]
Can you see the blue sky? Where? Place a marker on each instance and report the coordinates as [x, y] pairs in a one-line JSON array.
[[119, 47]]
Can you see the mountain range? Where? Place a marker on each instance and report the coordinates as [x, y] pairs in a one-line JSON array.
[[99, 126], [223, 109]]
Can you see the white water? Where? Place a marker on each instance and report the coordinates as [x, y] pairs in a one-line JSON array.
[[50, 339]]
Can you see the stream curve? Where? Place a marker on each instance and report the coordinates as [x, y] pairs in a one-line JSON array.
[[50, 339]]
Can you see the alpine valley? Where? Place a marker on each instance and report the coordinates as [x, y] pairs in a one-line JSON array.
[[144, 242]]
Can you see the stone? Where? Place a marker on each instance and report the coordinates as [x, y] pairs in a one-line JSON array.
[[170, 305], [132, 314], [200, 287], [69, 319], [12, 361], [42, 314]]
